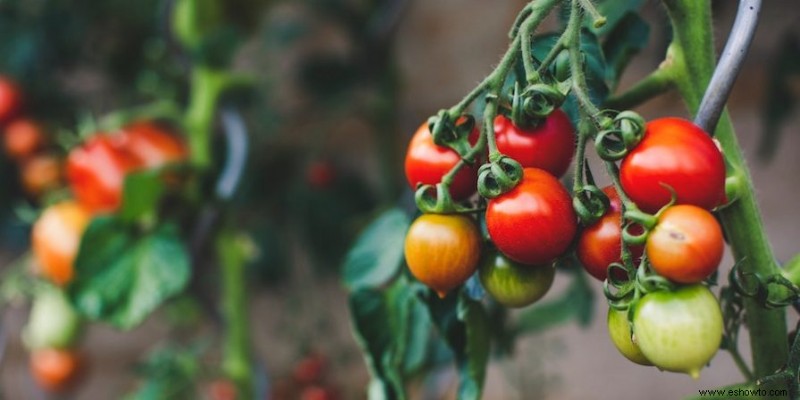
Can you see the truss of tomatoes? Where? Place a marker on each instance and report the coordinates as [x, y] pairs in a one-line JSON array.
[[676, 172]]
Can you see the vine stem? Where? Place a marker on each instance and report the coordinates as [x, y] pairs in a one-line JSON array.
[[693, 55]]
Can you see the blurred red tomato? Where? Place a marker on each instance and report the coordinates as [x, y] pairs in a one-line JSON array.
[[22, 137], [152, 144], [41, 173], [10, 99], [96, 172]]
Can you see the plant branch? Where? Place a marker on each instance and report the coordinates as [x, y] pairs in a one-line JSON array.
[[656, 83]]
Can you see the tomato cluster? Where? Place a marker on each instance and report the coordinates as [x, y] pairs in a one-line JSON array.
[[529, 226]]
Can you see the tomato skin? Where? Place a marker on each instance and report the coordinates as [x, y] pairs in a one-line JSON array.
[[41, 173], [619, 330], [10, 100], [533, 223], [549, 146], [22, 138], [96, 172], [679, 331], [686, 246], [600, 244], [426, 163], [55, 240], [512, 284], [152, 144], [442, 251], [55, 370], [676, 153], [53, 322]]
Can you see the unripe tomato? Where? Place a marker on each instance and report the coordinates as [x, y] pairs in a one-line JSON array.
[[41, 173], [600, 244], [53, 322], [533, 223], [426, 164], [55, 240], [676, 153], [55, 370], [152, 144], [619, 330], [512, 284], [548, 146], [96, 172], [442, 251], [22, 137], [679, 331], [686, 245], [10, 100]]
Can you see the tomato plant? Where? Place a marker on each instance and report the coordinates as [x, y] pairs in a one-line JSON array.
[[442, 251], [677, 156], [679, 331], [687, 244], [549, 145], [533, 223], [426, 163]]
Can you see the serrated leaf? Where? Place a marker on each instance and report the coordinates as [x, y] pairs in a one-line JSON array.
[[575, 303], [141, 194], [463, 323], [628, 37], [121, 277], [378, 252]]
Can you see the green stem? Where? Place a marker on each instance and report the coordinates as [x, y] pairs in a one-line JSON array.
[[206, 86], [657, 83], [693, 56], [236, 362]]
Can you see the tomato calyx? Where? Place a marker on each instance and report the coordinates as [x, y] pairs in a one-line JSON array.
[[590, 204], [622, 134], [531, 105], [498, 176], [453, 133]]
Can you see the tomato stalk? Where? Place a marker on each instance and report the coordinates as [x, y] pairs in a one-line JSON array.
[[236, 347], [693, 63]]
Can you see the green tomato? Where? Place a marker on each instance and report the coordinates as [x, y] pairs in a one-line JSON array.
[[621, 335], [679, 331], [53, 322], [512, 284]]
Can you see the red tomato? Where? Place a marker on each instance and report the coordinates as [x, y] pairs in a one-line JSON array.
[[318, 393], [152, 144], [533, 223], [676, 153], [96, 172], [55, 370], [55, 239], [21, 138], [41, 173], [549, 146], [426, 163], [309, 370], [600, 244], [222, 389], [10, 100], [687, 244]]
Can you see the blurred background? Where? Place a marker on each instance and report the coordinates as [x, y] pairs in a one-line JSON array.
[[340, 86]]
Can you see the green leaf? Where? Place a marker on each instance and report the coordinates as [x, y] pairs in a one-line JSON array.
[[141, 194], [377, 254], [575, 303], [122, 277], [464, 325], [394, 331], [628, 38], [170, 372]]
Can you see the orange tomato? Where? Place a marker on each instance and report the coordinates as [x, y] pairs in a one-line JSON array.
[[22, 137], [55, 370], [56, 237], [152, 144], [41, 173]]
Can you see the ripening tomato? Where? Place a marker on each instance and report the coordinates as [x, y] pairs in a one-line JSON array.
[[152, 144], [53, 322], [512, 284], [619, 330], [41, 173], [600, 244], [55, 240], [55, 370], [548, 146], [442, 251], [676, 154], [533, 223], [686, 245], [22, 137], [10, 100], [96, 172], [679, 331], [426, 164]]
